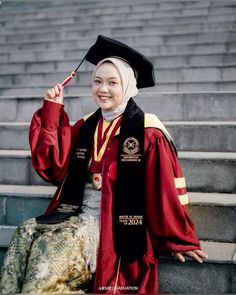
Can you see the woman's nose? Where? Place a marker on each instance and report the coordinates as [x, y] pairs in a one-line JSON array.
[[103, 87]]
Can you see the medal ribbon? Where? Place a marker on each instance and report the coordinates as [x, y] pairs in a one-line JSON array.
[[102, 139]]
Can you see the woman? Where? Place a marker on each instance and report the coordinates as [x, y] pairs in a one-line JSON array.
[[121, 198]]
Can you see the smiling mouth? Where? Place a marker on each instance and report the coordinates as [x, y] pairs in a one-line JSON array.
[[104, 97]]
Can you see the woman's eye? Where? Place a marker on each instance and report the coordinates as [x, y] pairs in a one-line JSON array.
[[112, 83], [96, 81]]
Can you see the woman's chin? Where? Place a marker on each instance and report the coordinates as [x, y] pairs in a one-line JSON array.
[[105, 106]]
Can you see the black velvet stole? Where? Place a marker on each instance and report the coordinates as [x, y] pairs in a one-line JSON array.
[[129, 203]]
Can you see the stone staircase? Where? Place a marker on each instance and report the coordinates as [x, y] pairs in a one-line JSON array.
[[193, 47]]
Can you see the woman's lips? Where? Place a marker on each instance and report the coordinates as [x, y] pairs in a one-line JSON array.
[[102, 97]]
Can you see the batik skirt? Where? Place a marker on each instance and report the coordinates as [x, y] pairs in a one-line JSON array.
[[52, 258]]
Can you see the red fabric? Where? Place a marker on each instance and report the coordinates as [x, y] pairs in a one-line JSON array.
[[169, 225]]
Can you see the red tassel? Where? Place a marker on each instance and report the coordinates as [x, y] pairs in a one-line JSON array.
[[68, 79]]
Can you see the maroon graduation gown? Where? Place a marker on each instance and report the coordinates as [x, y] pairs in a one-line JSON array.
[[169, 225]]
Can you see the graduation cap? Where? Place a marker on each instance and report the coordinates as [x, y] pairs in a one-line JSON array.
[[106, 47]]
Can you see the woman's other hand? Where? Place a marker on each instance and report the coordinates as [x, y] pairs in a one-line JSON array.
[[55, 94], [198, 255]]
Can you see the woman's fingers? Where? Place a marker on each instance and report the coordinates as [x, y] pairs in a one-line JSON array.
[[50, 94], [55, 93], [57, 90], [195, 254], [201, 253], [179, 256]]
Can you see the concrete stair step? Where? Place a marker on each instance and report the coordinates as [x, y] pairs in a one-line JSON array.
[[74, 39], [203, 170], [216, 275], [32, 60], [134, 41], [48, 76], [31, 201], [190, 136], [126, 9], [72, 7], [151, 51], [166, 86], [177, 16], [204, 136], [211, 213], [214, 46], [160, 62], [163, 23], [62, 34], [214, 215], [199, 106], [85, 4]]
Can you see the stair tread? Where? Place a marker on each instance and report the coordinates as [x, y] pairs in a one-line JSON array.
[[132, 36], [145, 94], [177, 45], [218, 252], [219, 199], [117, 5], [224, 199], [82, 70], [26, 190], [135, 23], [54, 58], [182, 154]]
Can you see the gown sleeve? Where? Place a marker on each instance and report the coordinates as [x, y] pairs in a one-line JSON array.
[[169, 223], [51, 139]]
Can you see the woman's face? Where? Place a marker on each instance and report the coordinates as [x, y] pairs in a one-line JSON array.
[[107, 87]]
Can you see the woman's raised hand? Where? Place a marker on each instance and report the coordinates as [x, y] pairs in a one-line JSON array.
[[55, 94]]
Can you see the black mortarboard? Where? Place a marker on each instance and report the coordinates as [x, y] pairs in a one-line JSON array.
[[107, 47]]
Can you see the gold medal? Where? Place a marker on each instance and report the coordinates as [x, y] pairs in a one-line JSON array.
[[97, 180]]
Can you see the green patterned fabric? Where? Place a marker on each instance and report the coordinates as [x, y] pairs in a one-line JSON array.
[[55, 258]]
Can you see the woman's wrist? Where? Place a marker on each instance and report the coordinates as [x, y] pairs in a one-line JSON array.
[[54, 100]]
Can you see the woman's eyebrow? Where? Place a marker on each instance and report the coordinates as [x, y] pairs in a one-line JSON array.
[[108, 77]]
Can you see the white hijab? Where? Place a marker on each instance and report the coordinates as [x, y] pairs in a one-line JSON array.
[[128, 82]]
